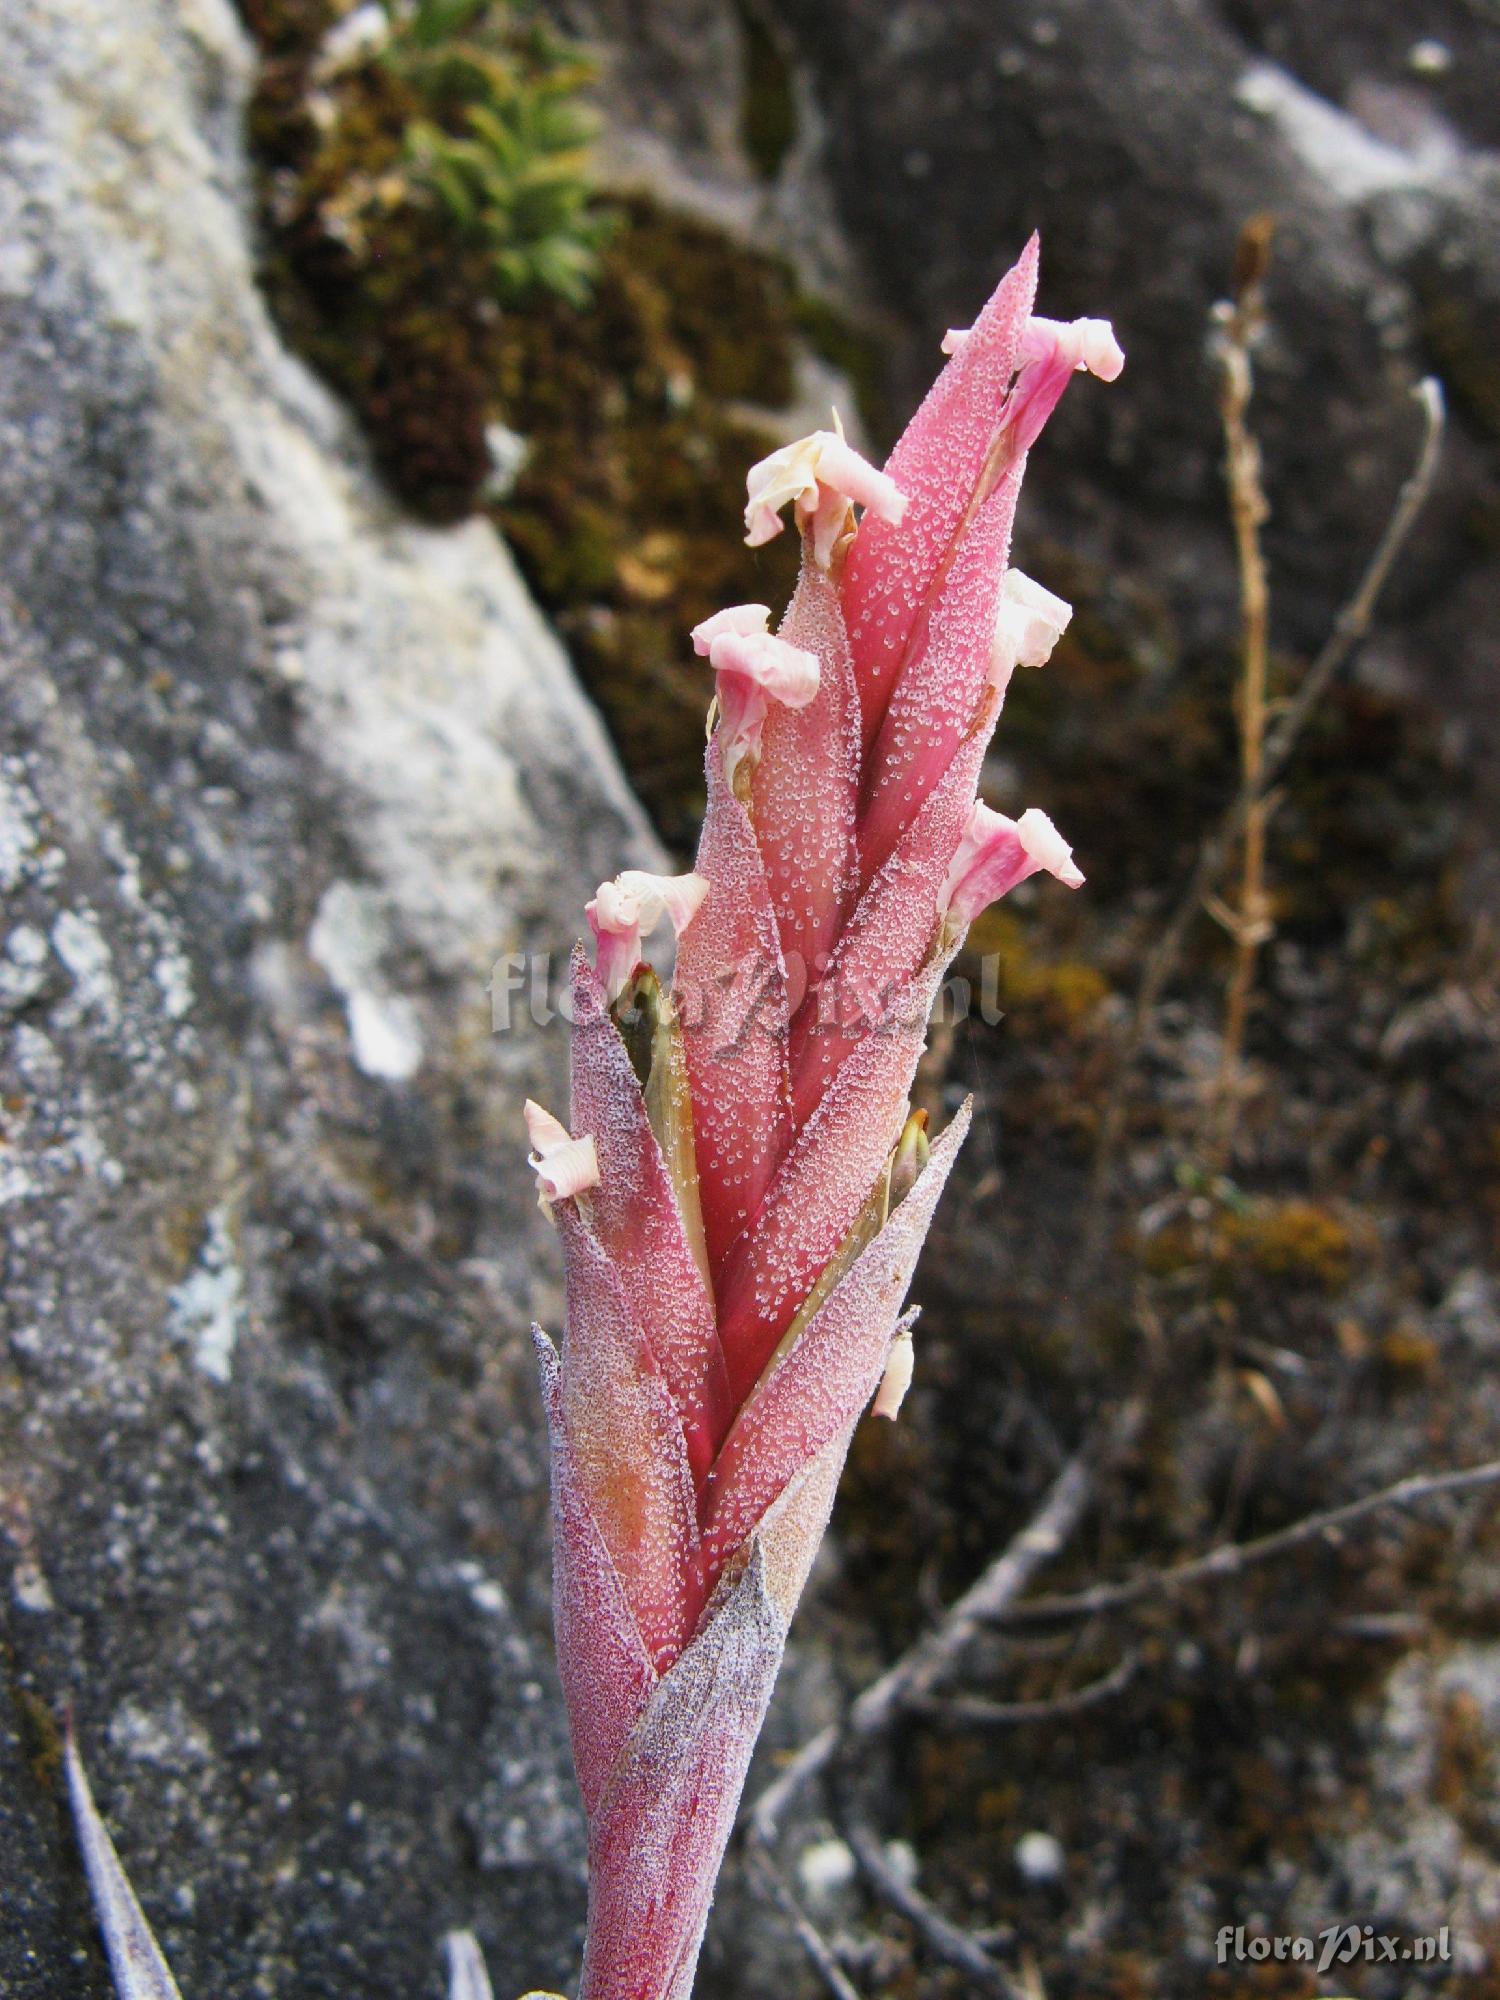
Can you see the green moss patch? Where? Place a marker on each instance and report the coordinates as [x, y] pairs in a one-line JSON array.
[[633, 414]]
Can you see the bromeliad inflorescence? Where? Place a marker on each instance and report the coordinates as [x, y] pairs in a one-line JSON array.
[[742, 1189]]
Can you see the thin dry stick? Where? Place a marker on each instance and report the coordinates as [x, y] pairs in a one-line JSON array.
[[814, 1944], [1351, 625], [910, 1683], [1249, 926], [965, 1711], [949, 1940], [919, 1670], [914, 1676], [1235, 1557]]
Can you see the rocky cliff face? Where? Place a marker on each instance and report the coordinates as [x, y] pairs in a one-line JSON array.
[[283, 777], [927, 142]]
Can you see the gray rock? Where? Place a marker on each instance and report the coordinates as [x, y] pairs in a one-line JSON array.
[[1139, 136], [282, 778]]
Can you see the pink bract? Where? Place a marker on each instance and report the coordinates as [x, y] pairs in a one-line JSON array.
[[743, 1189]]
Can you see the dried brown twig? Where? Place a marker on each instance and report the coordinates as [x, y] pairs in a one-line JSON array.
[[908, 1684], [819, 1952], [1351, 625], [1240, 322], [949, 1940], [912, 1678], [968, 1711], [1232, 1558]]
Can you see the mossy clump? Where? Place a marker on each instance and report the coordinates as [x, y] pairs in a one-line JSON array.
[[639, 421], [1293, 1242], [411, 188], [1043, 997], [41, 1738], [630, 421]]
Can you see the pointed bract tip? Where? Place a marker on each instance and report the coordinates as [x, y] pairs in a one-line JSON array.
[[135, 1958], [1023, 271], [467, 1977]]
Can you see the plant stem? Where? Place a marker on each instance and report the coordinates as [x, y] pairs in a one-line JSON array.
[[1351, 625], [1250, 925]]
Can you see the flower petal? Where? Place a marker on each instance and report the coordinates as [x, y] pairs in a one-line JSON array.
[[1047, 849], [735, 618], [900, 1365], [821, 476], [1052, 352], [627, 909], [1028, 624], [1085, 345], [996, 853], [564, 1166], [754, 671], [676, 897]]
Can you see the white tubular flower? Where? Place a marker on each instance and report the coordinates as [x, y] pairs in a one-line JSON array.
[[564, 1166], [1082, 344], [627, 909], [1028, 624], [900, 1365], [996, 853], [821, 475], [736, 621], [752, 669], [1046, 849], [1087, 344]]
